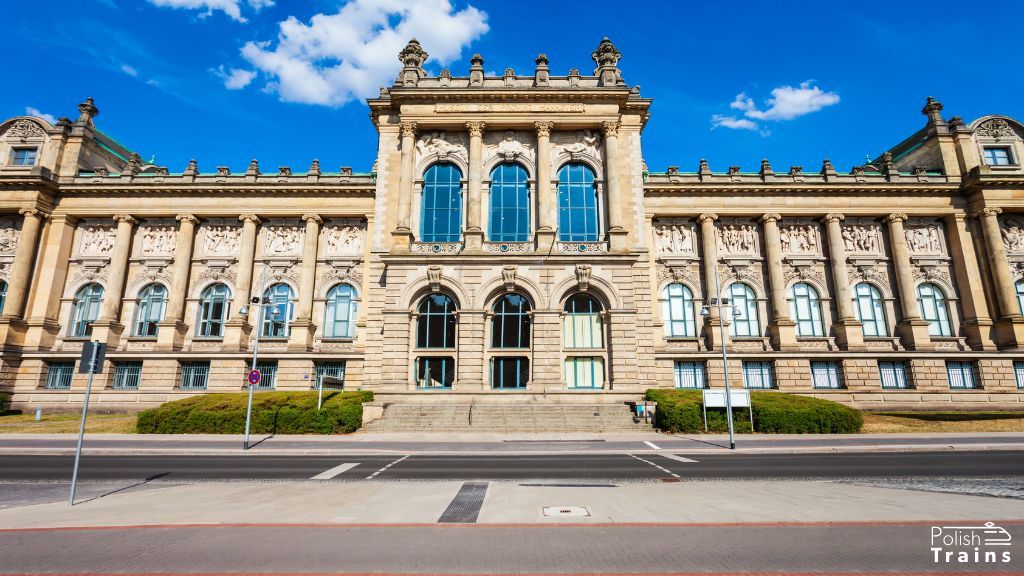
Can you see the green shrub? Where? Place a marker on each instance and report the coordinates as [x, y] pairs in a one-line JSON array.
[[272, 413], [5, 401], [774, 412]]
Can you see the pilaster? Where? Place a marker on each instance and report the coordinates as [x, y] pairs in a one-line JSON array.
[[237, 328], [172, 328], [977, 324], [302, 328], [716, 337], [402, 234], [848, 330], [1009, 322], [474, 214], [546, 206], [12, 326], [108, 327], [913, 329], [616, 232], [781, 328]]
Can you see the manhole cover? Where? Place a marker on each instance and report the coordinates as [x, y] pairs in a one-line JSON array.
[[565, 511]]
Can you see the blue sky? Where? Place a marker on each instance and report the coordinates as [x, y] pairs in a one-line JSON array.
[[224, 81]]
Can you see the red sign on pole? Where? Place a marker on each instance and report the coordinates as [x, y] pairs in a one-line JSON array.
[[254, 377]]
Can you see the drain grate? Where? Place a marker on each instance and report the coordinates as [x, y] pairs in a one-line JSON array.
[[465, 507], [565, 511]]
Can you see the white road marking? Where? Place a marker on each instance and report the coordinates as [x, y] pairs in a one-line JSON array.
[[652, 445], [665, 470], [370, 477], [676, 458], [328, 474]]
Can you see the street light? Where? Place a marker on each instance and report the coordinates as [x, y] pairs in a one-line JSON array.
[[274, 313], [736, 312]]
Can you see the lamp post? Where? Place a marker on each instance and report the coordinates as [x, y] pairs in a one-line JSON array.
[[262, 302], [705, 311]]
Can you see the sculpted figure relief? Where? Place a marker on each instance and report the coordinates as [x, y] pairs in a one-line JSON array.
[[284, 239], [860, 238], [799, 239], [9, 236], [737, 239], [509, 146], [97, 240], [924, 240], [221, 240], [442, 144], [673, 239], [344, 240], [578, 142], [1013, 236], [158, 240]]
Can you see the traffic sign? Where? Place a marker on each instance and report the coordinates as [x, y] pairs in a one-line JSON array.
[[254, 377]]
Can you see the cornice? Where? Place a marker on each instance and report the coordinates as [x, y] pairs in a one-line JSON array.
[[197, 188], [808, 188]]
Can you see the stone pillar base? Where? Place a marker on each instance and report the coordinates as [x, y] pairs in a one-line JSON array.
[[171, 335], [849, 334], [41, 333], [474, 240], [716, 336], [1010, 332], [617, 240], [108, 332], [545, 241], [783, 335], [236, 335], [12, 332], [401, 239], [914, 333], [979, 334], [301, 336]]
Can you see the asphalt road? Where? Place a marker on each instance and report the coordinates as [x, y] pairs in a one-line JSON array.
[[575, 467]]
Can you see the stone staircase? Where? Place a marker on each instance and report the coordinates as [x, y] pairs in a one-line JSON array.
[[507, 418]]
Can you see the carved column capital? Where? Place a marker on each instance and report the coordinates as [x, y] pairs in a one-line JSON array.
[[708, 216], [183, 218], [32, 212], [119, 218], [987, 211], [246, 218], [408, 128], [610, 128], [314, 217], [544, 128], [834, 218], [771, 217], [476, 128], [896, 217]]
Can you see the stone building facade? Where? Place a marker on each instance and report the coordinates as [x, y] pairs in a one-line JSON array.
[[511, 245]]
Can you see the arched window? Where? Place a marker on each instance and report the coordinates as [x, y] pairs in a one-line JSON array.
[[340, 315], [510, 327], [933, 309], [1019, 286], [510, 204], [806, 310], [150, 309], [677, 311], [583, 326], [578, 219], [746, 321], [870, 310], [441, 219], [85, 310], [213, 309], [3, 295], [277, 314], [435, 326]]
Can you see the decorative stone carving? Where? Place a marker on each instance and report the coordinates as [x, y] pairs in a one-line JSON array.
[[508, 247], [582, 247], [508, 145], [995, 128], [575, 144], [924, 239], [443, 145], [862, 238], [158, 240], [803, 239], [737, 239], [215, 274], [872, 273], [435, 247], [674, 238], [687, 274], [148, 275], [96, 240], [1012, 230], [805, 273], [937, 273], [741, 271], [9, 237], [284, 240], [508, 276], [221, 239], [24, 130], [434, 278], [344, 240], [583, 276]]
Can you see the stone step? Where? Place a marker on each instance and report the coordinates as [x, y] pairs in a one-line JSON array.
[[509, 418]]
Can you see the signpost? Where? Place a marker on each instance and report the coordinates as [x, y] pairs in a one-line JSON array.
[[727, 400], [90, 363], [324, 379]]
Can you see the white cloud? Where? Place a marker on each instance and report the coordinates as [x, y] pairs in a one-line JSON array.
[[235, 79], [785, 103], [129, 70], [233, 8], [30, 111], [337, 57]]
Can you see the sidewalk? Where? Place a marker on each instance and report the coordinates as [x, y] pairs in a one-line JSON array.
[[476, 444]]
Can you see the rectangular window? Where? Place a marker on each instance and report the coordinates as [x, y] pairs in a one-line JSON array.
[[758, 375], [510, 372], [59, 375], [24, 156], [1018, 374], [435, 372], [333, 374], [583, 330], [893, 375], [584, 372], [998, 156], [690, 375], [194, 375], [961, 375], [127, 375], [268, 375], [825, 375]]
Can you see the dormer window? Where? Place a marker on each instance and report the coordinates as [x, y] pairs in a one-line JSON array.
[[24, 156], [998, 156]]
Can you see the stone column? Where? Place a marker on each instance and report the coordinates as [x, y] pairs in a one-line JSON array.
[[781, 328], [547, 208], [173, 328], [977, 323], [849, 332], [303, 328], [715, 336], [1009, 321], [24, 258], [237, 328], [107, 328], [51, 273], [613, 188], [403, 233], [913, 329], [474, 212]]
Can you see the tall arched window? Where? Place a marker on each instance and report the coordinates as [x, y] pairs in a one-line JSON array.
[[510, 327], [213, 310], [578, 211], [441, 214], [1019, 286], [3, 295], [583, 326], [150, 309], [435, 325], [677, 311], [806, 310], [510, 204], [870, 310], [746, 321], [340, 314], [277, 314], [934, 310], [85, 310]]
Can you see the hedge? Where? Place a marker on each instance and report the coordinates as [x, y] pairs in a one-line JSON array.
[[272, 413], [5, 402], [774, 412]]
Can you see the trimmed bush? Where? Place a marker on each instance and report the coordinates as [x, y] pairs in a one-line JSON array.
[[774, 412], [272, 413], [5, 402]]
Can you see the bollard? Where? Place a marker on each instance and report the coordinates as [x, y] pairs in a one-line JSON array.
[[39, 413]]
